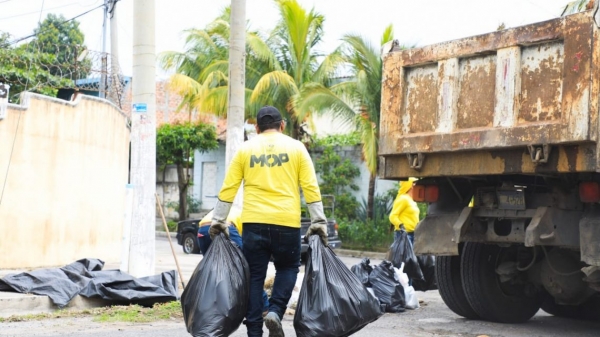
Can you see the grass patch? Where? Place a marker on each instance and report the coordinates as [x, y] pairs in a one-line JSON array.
[[131, 314]]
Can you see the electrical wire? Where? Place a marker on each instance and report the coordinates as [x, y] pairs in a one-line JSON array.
[[35, 12], [12, 149], [531, 263], [71, 19]]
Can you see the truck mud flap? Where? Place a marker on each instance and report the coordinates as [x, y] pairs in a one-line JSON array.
[[435, 235], [589, 233], [554, 227]]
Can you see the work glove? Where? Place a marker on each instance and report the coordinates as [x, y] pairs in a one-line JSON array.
[[219, 220], [318, 222]]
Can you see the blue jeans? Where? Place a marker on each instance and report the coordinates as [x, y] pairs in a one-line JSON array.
[[261, 241], [204, 242]]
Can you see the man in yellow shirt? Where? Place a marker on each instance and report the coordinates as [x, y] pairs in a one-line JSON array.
[[234, 219], [273, 168]]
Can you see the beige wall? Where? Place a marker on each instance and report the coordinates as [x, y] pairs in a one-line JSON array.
[[65, 190]]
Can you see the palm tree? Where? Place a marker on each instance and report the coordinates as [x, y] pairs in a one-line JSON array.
[[298, 65], [202, 69], [356, 100]]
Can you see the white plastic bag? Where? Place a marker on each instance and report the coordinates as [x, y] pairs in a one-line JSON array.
[[401, 276], [412, 302]]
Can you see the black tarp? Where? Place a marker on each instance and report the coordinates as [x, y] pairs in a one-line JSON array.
[[85, 277]]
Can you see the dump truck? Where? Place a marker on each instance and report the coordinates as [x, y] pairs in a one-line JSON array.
[[502, 131]]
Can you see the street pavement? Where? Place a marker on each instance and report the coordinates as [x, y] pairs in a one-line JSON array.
[[432, 319]]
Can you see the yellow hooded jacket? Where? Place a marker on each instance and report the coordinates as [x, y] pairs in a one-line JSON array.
[[405, 210]]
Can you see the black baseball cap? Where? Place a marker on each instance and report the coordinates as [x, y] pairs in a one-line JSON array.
[[267, 115]]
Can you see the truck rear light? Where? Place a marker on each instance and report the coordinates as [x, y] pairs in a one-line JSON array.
[[589, 191], [419, 193], [336, 226], [432, 193], [426, 193]]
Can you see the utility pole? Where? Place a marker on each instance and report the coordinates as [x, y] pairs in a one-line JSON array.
[[143, 141], [103, 71], [237, 84], [114, 53]]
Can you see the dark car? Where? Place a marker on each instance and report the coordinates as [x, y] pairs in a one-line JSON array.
[[187, 233]]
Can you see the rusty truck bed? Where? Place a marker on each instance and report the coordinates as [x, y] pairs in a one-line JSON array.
[[521, 100]]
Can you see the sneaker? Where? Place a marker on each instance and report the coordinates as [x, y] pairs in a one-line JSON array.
[[273, 323]]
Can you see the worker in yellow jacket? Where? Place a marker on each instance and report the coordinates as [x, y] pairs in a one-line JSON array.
[[273, 167], [405, 212]]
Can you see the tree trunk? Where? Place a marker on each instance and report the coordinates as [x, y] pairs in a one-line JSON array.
[[237, 83], [371, 196], [182, 183]]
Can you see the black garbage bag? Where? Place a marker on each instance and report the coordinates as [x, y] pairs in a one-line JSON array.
[[215, 300], [401, 251], [427, 264], [387, 287], [362, 271], [333, 302]]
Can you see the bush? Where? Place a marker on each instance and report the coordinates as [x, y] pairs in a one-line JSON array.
[[370, 235], [172, 225]]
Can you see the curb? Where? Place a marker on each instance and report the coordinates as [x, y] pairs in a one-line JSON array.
[[160, 234], [15, 304], [360, 254]]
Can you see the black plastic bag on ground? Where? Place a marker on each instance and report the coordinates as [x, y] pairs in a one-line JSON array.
[[332, 302], [401, 251], [215, 299], [362, 271], [427, 264], [387, 287]]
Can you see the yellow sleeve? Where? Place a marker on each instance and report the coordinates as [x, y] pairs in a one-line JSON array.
[[233, 178], [399, 206], [235, 217], [308, 178]]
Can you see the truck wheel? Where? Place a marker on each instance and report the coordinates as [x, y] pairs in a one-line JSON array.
[[190, 244], [447, 273], [491, 299]]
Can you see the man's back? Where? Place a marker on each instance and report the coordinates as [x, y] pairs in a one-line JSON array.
[[273, 166]]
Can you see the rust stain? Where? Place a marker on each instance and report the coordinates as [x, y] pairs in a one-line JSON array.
[[541, 83], [477, 90], [422, 98]]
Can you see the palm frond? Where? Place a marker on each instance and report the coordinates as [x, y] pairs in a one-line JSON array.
[[272, 85]]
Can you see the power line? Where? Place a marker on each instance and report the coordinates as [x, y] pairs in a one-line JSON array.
[[71, 19], [35, 12], [12, 149]]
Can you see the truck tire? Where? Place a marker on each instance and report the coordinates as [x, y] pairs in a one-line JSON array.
[[491, 300], [190, 244], [447, 271]]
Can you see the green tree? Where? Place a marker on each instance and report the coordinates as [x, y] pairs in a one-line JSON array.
[[576, 6], [299, 66], [25, 70], [64, 40], [201, 70], [337, 178], [357, 100], [175, 144]]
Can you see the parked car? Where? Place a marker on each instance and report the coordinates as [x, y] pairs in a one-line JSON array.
[[187, 232]]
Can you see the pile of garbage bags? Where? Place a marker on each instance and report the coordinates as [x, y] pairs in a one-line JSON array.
[[389, 281]]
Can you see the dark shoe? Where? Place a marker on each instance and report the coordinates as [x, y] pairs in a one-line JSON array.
[[273, 323]]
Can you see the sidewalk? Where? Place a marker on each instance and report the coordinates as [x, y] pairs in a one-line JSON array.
[[12, 303]]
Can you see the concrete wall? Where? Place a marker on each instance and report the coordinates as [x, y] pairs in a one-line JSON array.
[[64, 181], [168, 191], [203, 176]]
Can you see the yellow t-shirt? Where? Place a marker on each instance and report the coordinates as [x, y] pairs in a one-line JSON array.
[[234, 217], [273, 168], [405, 212]]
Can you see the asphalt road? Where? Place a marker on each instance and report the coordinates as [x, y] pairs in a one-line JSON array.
[[432, 319]]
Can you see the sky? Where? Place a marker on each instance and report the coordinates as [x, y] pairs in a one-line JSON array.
[[415, 22]]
